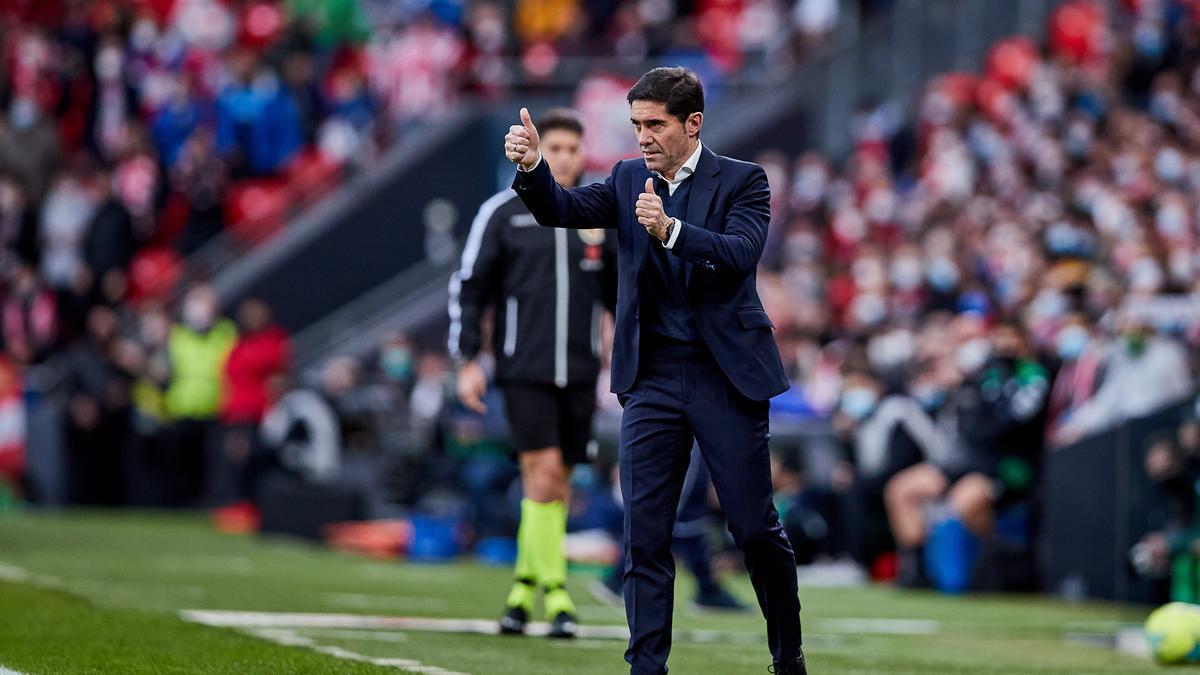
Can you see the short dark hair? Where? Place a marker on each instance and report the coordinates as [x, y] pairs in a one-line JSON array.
[[678, 88], [561, 118]]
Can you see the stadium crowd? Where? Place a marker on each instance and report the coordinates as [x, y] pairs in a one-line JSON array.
[[1012, 272]]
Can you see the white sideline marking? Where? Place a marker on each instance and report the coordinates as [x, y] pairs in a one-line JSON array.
[[9, 671], [234, 619], [1132, 641], [290, 638], [14, 574], [362, 635]]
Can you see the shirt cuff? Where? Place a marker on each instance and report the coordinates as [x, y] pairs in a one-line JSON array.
[[535, 165], [670, 242]]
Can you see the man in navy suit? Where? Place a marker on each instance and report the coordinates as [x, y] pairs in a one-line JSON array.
[[693, 355]]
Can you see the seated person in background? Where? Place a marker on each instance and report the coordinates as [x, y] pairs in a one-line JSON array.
[[1081, 349], [1140, 356], [886, 434], [1172, 548], [1000, 414]]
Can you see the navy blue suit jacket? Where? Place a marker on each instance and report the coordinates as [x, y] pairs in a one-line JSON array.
[[722, 237]]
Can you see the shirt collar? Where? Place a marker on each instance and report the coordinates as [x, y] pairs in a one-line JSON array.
[[688, 168]]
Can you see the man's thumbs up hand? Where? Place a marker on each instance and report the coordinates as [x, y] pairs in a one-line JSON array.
[[650, 212], [521, 142]]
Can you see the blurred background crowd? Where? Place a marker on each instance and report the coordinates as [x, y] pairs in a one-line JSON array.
[[1004, 265]]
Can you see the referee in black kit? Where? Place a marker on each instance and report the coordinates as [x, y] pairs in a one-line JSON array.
[[548, 289]]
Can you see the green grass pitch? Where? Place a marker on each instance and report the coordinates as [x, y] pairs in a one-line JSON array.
[[102, 592]]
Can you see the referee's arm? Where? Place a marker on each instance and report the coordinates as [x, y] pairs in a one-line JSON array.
[[474, 280]]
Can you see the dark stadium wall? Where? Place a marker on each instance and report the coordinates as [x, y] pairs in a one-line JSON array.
[[1100, 504], [385, 227]]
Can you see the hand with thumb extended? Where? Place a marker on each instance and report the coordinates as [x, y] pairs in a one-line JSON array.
[[521, 142], [650, 213]]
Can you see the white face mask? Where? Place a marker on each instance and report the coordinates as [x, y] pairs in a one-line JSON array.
[[197, 314], [972, 355]]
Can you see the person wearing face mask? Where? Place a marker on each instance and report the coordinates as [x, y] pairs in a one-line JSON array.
[[885, 434], [197, 349], [29, 147], [253, 379], [1080, 351], [1001, 414], [1139, 356]]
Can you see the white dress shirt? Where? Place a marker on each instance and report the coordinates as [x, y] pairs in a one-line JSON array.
[[684, 172]]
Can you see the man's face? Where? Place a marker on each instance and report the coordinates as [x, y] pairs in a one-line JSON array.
[[563, 149], [666, 143]]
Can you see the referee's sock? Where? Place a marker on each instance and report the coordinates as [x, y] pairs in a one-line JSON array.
[[548, 528], [524, 589]]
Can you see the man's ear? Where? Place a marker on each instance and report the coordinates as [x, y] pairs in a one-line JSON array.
[[694, 122]]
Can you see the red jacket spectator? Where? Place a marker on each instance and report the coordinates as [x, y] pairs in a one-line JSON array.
[[257, 357]]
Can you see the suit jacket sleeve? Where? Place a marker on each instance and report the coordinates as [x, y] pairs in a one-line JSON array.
[[552, 205], [472, 283], [738, 249]]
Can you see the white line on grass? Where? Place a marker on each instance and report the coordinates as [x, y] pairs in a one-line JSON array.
[[290, 638], [9, 671], [233, 619], [362, 635]]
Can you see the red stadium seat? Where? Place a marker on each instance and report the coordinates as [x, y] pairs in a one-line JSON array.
[[153, 273], [1011, 62], [255, 210], [311, 174]]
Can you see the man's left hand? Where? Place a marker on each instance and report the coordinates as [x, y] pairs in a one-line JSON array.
[[650, 213]]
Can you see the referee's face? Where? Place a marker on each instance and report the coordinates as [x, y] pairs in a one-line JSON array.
[[563, 149]]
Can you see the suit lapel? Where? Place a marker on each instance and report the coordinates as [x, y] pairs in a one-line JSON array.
[[704, 186], [640, 238]]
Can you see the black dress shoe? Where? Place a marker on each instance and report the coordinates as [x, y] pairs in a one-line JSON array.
[[796, 667], [513, 622], [564, 625]]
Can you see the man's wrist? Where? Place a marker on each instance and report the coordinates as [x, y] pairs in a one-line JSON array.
[[531, 166]]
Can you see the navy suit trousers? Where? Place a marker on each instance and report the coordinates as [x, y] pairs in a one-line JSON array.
[[672, 402]]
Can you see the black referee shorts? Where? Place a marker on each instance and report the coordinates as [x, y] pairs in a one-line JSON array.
[[544, 416]]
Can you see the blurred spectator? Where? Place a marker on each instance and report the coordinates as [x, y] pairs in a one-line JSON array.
[[411, 70], [198, 348], [29, 147], [150, 474], [111, 239], [97, 415], [30, 318], [66, 217], [183, 113], [255, 375], [203, 178], [1081, 349], [1140, 356], [18, 224], [258, 125]]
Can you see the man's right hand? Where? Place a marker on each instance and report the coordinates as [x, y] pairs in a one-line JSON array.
[[472, 385], [521, 143]]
